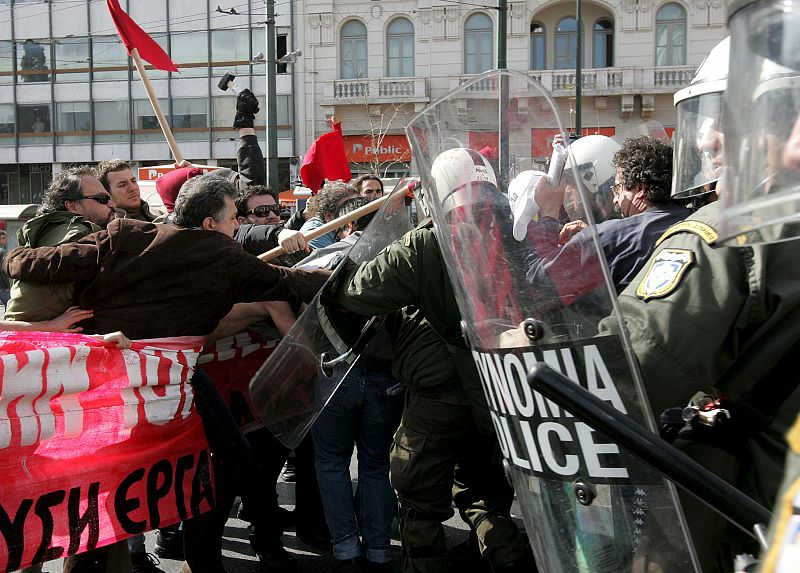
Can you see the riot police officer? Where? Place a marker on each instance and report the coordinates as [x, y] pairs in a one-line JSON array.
[[718, 306]]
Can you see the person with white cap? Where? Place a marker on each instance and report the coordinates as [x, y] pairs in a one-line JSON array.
[[642, 171]]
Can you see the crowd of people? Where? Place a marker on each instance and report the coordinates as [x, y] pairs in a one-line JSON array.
[[710, 307]]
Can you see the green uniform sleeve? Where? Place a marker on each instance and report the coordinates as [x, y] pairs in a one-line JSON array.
[[387, 283]]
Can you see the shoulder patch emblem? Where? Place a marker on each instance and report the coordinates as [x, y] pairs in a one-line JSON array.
[[665, 273], [705, 232]]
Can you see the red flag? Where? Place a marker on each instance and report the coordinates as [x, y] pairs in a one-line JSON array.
[[134, 37], [325, 159]]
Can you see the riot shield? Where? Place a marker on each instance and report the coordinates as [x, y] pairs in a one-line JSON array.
[[295, 383], [588, 505]]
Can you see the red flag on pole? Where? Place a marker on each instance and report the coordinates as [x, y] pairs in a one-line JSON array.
[[325, 159], [134, 37]]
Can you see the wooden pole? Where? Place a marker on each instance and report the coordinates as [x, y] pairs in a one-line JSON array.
[[151, 95], [331, 226]]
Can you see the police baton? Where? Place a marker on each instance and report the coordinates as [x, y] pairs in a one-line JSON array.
[[725, 499], [343, 220]]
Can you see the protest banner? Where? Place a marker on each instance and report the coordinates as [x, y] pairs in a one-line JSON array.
[[231, 362], [97, 443]]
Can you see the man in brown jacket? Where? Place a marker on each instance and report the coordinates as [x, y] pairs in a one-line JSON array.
[[151, 281], [179, 279]]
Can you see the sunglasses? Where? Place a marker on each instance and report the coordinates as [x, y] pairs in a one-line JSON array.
[[264, 210], [102, 199]]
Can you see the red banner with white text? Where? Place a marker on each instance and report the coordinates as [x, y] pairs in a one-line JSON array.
[[96, 443], [231, 363]]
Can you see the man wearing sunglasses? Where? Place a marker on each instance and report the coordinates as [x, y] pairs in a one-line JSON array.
[[260, 226], [258, 205], [74, 205]]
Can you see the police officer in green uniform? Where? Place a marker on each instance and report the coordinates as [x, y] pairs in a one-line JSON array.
[[717, 308], [445, 448]]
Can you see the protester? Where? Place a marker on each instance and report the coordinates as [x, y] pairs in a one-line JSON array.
[[75, 205], [369, 186], [365, 410], [152, 281], [641, 195], [118, 179], [327, 202]]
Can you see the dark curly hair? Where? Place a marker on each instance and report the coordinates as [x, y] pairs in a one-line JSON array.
[[331, 196], [648, 162]]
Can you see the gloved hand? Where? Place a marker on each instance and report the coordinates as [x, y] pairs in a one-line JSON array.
[[246, 108]]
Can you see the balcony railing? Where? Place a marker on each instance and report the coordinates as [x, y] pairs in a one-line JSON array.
[[377, 90], [596, 81]]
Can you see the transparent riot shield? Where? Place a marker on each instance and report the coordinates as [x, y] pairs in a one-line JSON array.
[[295, 383], [587, 504]]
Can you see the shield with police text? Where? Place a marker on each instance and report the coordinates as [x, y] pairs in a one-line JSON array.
[[533, 286], [295, 383]]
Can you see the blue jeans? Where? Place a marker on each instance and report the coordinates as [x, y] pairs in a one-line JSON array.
[[360, 412]]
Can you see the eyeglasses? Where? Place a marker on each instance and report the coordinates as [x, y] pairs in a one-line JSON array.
[[100, 198], [264, 210], [616, 189]]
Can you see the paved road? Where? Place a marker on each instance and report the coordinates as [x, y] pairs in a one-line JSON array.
[[238, 557]]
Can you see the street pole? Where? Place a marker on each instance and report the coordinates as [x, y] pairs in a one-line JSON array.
[[502, 64], [578, 70], [272, 99]]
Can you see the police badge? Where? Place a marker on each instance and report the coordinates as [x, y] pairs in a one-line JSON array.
[[665, 273]]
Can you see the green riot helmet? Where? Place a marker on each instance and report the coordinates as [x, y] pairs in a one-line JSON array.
[[761, 204], [699, 136]]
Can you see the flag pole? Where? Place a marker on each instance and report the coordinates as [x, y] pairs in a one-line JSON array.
[[151, 95], [331, 226]]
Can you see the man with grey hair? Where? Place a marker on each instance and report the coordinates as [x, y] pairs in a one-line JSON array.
[[75, 205], [165, 280]]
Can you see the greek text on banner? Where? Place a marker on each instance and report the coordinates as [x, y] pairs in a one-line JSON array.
[[97, 443]]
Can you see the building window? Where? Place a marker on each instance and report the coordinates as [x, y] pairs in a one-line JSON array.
[[7, 122], [478, 44], [34, 65], [6, 62], [353, 50], [538, 54], [111, 121], [190, 53], [34, 124], [72, 59], [74, 122], [400, 49], [145, 127], [566, 43], [281, 49], [230, 52], [109, 59], [671, 36], [603, 44], [190, 118], [285, 115]]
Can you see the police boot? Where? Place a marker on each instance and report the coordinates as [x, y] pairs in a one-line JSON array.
[[423, 541], [525, 564], [466, 557]]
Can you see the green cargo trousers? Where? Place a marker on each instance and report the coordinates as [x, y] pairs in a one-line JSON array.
[[439, 456]]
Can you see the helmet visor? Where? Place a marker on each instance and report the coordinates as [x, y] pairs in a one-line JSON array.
[[699, 152], [761, 203]]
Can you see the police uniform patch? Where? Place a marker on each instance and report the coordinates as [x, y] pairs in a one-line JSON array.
[[665, 273], [705, 232]]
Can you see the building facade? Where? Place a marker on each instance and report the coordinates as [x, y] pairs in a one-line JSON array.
[[68, 93], [373, 65]]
